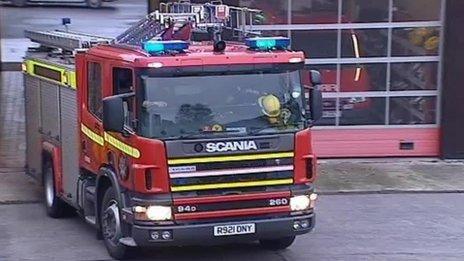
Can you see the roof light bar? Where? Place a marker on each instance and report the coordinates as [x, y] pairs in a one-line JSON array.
[[157, 47], [268, 43]]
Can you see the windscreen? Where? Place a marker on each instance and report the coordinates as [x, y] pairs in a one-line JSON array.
[[200, 106]]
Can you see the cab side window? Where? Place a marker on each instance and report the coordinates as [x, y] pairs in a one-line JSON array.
[[94, 89], [123, 83]]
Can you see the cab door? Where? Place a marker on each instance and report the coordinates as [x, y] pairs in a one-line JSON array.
[[122, 82], [92, 134]]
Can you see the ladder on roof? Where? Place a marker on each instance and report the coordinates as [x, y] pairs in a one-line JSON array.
[[69, 41], [153, 25], [183, 17], [174, 21], [238, 19]]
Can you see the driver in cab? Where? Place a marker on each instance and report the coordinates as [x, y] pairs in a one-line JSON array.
[[274, 114]]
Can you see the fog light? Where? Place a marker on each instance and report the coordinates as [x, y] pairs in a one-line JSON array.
[[166, 235], [296, 225], [159, 213], [155, 235], [299, 203], [304, 224]]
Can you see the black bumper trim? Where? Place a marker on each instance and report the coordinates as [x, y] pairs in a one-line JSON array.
[[202, 234]]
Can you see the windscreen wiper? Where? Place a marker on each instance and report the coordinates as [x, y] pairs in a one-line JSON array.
[[221, 131], [257, 130], [189, 135]]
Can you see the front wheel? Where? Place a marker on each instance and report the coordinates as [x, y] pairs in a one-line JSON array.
[[94, 3], [277, 244], [110, 220]]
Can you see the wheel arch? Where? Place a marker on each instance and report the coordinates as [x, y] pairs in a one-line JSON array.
[[107, 178], [52, 153]]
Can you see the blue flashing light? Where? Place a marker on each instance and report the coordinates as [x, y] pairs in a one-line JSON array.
[[268, 43], [157, 47]]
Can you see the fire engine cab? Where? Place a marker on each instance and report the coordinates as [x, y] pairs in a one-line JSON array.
[[157, 140]]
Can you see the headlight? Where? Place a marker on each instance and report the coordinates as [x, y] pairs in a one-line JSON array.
[[299, 203], [154, 213], [159, 213]]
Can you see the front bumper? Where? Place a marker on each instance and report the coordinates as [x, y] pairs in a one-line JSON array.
[[196, 234]]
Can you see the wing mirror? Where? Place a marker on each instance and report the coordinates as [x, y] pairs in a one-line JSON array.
[[114, 112], [316, 77], [315, 96]]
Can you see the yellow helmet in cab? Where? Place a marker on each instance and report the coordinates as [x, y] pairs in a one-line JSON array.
[[270, 105]]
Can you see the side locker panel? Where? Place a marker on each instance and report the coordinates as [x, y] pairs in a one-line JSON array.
[[69, 141], [50, 113], [32, 107]]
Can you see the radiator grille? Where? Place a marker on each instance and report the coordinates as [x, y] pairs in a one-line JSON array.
[[226, 172]]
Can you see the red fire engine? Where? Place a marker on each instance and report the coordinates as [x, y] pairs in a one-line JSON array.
[[156, 140]]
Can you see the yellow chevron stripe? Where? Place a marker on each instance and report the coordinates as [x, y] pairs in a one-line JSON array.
[[92, 135], [233, 185], [129, 150], [231, 158]]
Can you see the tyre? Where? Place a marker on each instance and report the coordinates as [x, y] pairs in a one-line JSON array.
[[94, 3], [277, 244], [19, 3], [110, 220], [54, 206]]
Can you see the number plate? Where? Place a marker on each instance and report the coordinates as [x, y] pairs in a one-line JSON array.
[[229, 230]]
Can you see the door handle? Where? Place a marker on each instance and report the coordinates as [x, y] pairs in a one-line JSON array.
[[84, 147]]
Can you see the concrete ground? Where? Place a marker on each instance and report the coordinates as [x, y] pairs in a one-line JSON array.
[[349, 227], [390, 176]]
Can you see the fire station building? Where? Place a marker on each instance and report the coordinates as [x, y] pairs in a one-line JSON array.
[[390, 72]]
